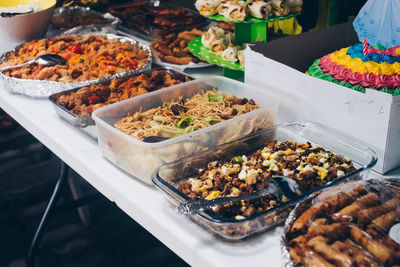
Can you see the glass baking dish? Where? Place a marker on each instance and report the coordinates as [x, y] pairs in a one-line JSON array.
[[140, 158], [168, 176]]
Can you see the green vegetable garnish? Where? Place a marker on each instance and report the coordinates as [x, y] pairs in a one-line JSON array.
[[215, 98], [183, 123], [210, 119], [238, 159], [166, 105]]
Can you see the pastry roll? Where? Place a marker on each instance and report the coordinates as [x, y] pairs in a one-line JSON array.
[[217, 47], [213, 34], [237, 13], [207, 7], [367, 215], [240, 55], [260, 9], [358, 255], [352, 210], [375, 248], [313, 259], [320, 245], [223, 8], [385, 221], [230, 54], [279, 7]]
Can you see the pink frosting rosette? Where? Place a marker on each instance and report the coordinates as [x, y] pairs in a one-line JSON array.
[[344, 74], [369, 80], [324, 62], [384, 81], [330, 67], [356, 78], [336, 70], [395, 79]]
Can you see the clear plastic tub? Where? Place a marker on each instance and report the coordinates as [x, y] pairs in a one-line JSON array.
[[168, 176], [140, 159]]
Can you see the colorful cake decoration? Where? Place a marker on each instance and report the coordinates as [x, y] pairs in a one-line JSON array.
[[369, 64]]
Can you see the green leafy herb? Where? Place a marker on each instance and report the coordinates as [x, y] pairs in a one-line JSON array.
[[238, 159], [166, 105], [215, 98], [183, 123]]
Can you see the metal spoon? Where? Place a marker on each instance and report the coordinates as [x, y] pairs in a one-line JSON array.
[[278, 186], [46, 60]]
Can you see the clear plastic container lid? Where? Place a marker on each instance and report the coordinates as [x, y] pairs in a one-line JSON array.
[[140, 158], [168, 176]]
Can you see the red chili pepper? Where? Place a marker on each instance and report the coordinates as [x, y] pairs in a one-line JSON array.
[[74, 49], [98, 40], [106, 63], [134, 64], [94, 99], [38, 69]]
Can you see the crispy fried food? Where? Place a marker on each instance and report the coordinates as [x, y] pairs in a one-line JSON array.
[[358, 256], [312, 259], [297, 246], [323, 228], [385, 221], [367, 215], [320, 245], [374, 247], [332, 204], [173, 48], [351, 210], [330, 231]]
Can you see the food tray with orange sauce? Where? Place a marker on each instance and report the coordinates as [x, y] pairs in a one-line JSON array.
[[44, 88]]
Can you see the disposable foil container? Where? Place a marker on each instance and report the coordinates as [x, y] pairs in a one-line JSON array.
[[43, 88], [82, 11], [371, 185]]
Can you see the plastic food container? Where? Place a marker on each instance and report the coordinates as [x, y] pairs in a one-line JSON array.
[[84, 122], [360, 220], [167, 177], [140, 159]]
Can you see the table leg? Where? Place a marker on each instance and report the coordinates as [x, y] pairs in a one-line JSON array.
[[30, 259]]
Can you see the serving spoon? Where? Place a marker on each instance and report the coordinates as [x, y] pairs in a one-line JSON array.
[[278, 186], [46, 60]]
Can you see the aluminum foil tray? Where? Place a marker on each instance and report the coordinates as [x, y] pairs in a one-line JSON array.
[[111, 20], [43, 89], [85, 123], [365, 207]]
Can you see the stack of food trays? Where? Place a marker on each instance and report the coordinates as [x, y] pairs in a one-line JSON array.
[[140, 158], [152, 20], [352, 224], [229, 170], [76, 105], [89, 59]]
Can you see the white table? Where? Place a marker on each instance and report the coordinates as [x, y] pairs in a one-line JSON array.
[[145, 204]]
